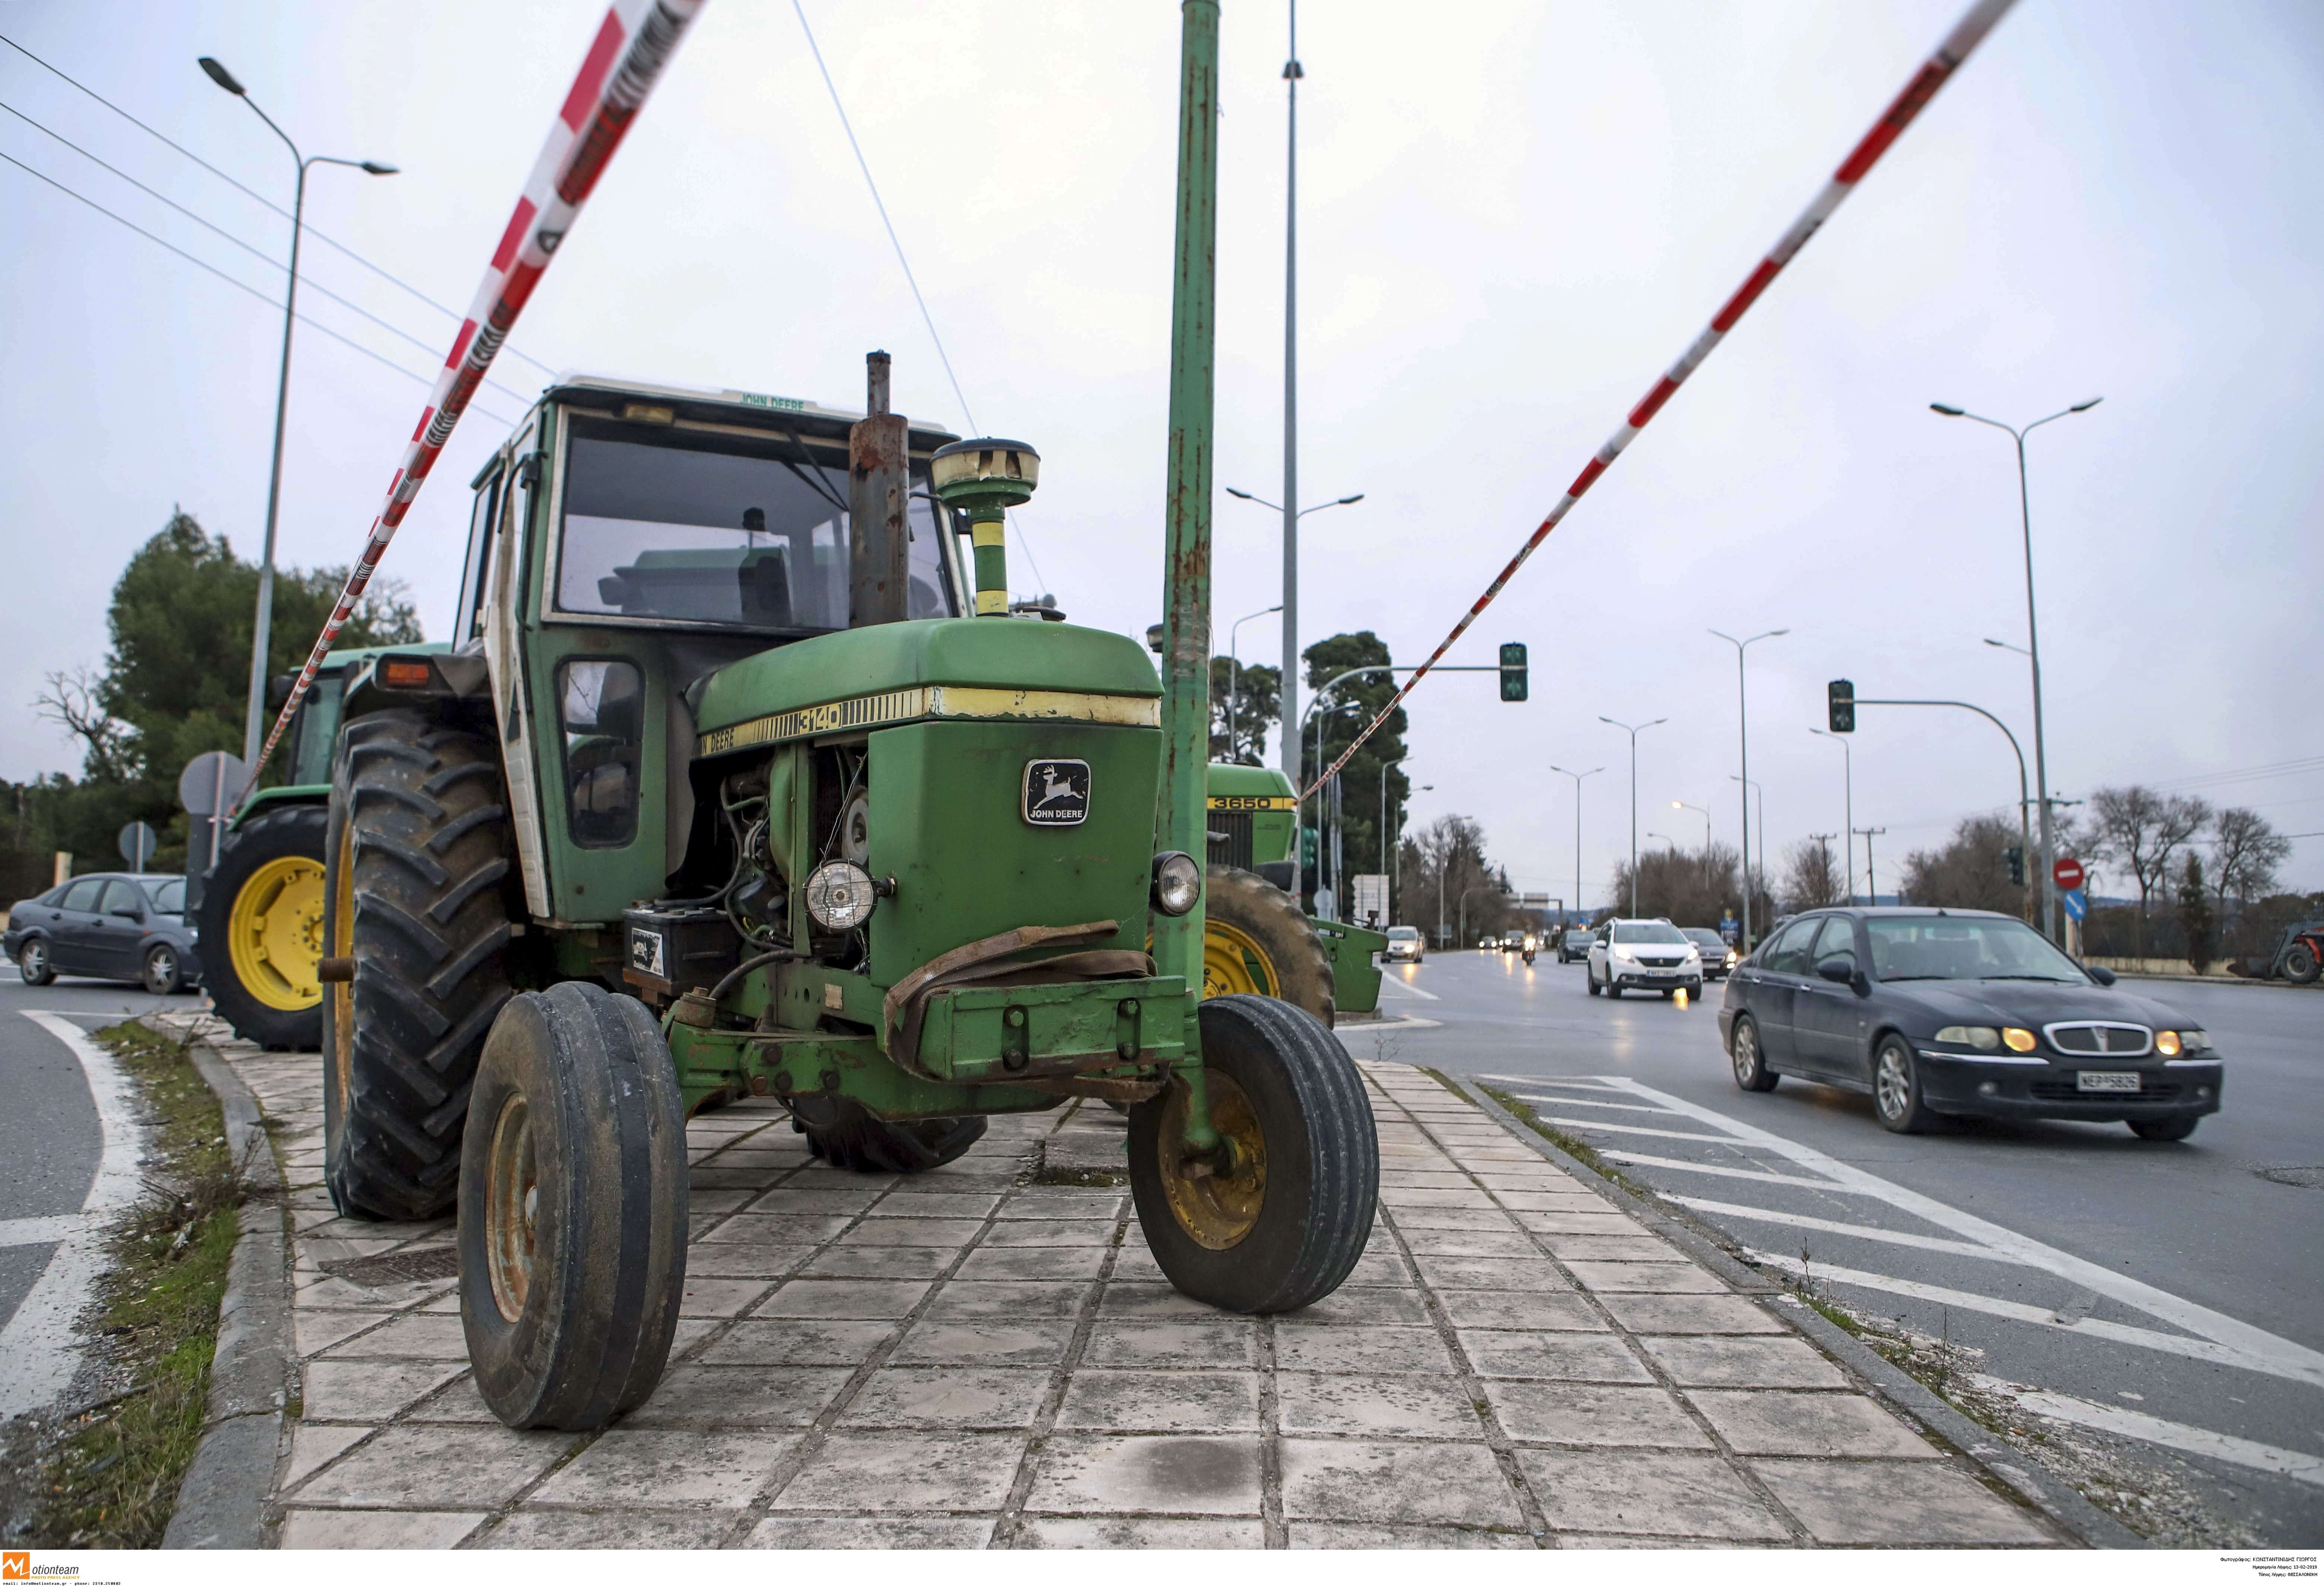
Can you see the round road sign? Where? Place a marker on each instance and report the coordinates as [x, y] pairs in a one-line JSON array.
[[2067, 873], [211, 782]]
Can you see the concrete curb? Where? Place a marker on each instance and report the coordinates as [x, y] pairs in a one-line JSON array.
[[222, 1502], [2073, 1514]]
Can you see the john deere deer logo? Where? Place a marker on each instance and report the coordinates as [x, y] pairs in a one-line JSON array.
[[1056, 793]]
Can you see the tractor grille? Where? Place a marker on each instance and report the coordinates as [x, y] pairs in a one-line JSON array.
[[2101, 1038], [1231, 838]]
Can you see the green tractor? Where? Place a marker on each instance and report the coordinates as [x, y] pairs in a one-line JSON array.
[[259, 912], [1255, 938], [738, 777]]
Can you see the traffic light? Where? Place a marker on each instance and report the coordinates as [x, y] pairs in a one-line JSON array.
[[2014, 858], [1842, 701], [1513, 672], [1311, 849]]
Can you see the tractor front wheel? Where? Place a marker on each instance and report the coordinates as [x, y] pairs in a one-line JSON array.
[[261, 925], [573, 1217], [1254, 940], [418, 899], [1278, 1222]]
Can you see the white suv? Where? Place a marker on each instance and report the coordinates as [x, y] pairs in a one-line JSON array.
[[1644, 955]]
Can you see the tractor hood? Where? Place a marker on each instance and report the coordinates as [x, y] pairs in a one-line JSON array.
[[896, 672]]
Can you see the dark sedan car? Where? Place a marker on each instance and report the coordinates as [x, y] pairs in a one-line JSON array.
[[1962, 1013], [1575, 943], [112, 926], [1717, 958]]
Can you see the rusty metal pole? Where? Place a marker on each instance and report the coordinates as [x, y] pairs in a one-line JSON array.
[[1180, 818], [879, 456]]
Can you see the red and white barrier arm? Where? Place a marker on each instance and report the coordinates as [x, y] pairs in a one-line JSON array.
[[632, 44], [1967, 34]]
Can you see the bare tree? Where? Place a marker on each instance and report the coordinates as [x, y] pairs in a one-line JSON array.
[[1445, 863], [1971, 872], [2143, 830], [1812, 878], [2246, 851], [72, 701]]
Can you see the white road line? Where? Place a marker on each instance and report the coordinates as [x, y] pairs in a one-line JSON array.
[[1634, 1129], [1618, 1155], [40, 1350], [2297, 1464], [2288, 1358], [1959, 1248], [1406, 989], [2201, 1349], [15, 1231], [1589, 1084]]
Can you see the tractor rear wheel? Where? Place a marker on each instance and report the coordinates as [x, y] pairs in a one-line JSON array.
[[1279, 1225], [418, 899], [261, 925], [854, 1139], [573, 1217], [2300, 963], [1254, 940]]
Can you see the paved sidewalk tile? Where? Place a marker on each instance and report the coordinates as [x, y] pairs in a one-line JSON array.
[[964, 1358]]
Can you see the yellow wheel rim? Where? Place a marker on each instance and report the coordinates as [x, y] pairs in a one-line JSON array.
[[1216, 1210], [511, 1208], [274, 933], [1233, 962]]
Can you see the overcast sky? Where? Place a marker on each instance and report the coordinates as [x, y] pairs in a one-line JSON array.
[[1513, 215]]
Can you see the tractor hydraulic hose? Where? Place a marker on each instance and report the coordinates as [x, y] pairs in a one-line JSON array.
[[1932, 75], [733, 978], [632, 45]]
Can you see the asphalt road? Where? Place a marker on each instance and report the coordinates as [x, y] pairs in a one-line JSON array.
[[2165, 1293], [50, 1138]]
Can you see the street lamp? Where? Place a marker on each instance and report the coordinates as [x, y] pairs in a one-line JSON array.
[[1395, 861], [1234, 669], [1743, 734], [1751, 787], [2032, 643], [1848, 794], [1292, 513], [262, 635], [1697, 809], [1634, 733], [1577, 776]]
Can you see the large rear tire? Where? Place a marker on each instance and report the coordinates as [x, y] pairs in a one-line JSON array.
[[853, 1139], [417, 887], [1284, 1225], [573, 1217], [2300, 963], [1254, 940], [261, 923]]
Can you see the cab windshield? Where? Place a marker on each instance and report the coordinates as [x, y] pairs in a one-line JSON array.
[[1937, 947], [1640, 932], [726, 531]]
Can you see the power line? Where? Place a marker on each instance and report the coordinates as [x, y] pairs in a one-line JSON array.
[[256, 253], [230, 280], [913, 282], [377, 269]]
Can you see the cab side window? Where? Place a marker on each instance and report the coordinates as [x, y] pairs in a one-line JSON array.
[[601, 708], [474, 579], [82, 895], [122, 898], [1838, 937], [1788, 954]]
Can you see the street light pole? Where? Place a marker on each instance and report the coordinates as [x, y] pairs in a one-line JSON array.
[[1292, 513], [2032, 647], [1743, 734], [1697, 809], [1577, 776], [1848, 795], [1234, 670], [1396, 865], [1751, 787], [1634, 733], [262, 636]]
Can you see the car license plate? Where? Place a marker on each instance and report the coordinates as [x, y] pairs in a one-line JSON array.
[[2105, 1080]]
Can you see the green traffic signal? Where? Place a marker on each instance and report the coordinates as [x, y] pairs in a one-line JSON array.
[[1513, 672]]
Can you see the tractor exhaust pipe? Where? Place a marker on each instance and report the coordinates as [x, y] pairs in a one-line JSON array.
[[879, 481]]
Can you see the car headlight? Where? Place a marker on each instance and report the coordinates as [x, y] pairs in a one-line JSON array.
[[1620, 954], [841, 895], [1177, 883], [1983, 1038], [2017, 1039], [2193, 1041]]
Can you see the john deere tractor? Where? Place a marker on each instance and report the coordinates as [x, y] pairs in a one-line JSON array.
[[260, 909], [739, 778], [1255, 938]]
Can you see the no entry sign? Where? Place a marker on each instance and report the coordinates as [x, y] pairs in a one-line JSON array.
[[2067, 873]]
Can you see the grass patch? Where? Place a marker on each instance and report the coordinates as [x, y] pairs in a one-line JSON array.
[[109, 1477], [1572, 1146]]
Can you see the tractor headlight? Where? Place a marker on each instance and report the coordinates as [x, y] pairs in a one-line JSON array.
[[1177, 883], [840, 895]]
